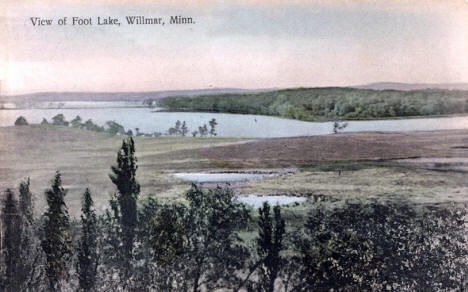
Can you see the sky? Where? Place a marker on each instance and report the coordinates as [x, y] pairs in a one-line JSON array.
[[232, 44]]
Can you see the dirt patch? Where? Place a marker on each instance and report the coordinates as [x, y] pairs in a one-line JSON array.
[[356, 146]]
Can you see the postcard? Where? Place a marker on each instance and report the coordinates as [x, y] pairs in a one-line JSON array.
[[202, 145]]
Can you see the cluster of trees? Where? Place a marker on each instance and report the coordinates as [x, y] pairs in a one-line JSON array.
[[311, 104], [112, 127], [180, 129], [146, 245]]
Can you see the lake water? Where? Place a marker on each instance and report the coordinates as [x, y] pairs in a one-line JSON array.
[[257, 201], [229, 125]]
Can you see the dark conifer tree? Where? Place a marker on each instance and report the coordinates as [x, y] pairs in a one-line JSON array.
[[30, 248], [87, 249], [124, 177], [269, 246], [11, 242], [25, 201], [56, 242]]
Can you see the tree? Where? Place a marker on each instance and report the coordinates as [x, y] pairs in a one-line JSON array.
[[374, 246], [21, 121], [44, 122], [183, 129], [87, 250], [334, 254], [337, 126], [168, 234], [214, 252], [213, 124], [177, 127], [59, 120], [76, 122], [269, 246], [57, 240], [203, 131], [31, 255], [110, 247], [90, 126], [124, 177], [26, 203], [12, 242], [194, 134], [115, 128]]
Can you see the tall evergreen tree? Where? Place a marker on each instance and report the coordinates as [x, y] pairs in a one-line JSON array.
[[57, 240], [11, 242], [124, 177], [87, 253], [25, 201], [269, 245], [30, 247]]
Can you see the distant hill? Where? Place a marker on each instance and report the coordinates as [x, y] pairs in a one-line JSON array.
[[117, 96], [412, 86]]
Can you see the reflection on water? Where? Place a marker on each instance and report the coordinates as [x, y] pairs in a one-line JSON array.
[[229, 125]]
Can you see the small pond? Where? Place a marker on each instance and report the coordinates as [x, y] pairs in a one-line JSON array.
[[201, 177], [257, 201]]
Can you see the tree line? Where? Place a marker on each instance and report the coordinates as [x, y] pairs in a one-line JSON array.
[[203, 244], [312, 104], [114, 128]]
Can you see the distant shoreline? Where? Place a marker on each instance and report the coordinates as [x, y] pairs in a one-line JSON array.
[[318, 120]]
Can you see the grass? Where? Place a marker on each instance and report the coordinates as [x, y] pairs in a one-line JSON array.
[[339, 166], [84, 159], [351, 165], [368, 180]]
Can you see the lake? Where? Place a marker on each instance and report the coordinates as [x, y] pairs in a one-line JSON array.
[[229, 125]]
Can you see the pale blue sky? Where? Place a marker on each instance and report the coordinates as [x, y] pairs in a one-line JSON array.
[[234, 44]]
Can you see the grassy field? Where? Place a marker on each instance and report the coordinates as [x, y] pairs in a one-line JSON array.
[[339, 166], [84, 159]]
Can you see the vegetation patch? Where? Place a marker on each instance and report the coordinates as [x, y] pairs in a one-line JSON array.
[[320, 104]]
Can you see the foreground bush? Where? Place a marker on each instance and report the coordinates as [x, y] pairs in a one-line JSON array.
[[382, 246]]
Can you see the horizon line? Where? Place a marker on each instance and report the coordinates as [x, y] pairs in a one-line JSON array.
[[239, 88]]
